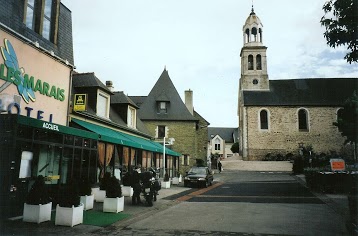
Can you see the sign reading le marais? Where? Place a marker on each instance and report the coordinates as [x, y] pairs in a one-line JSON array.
[[27, 86]]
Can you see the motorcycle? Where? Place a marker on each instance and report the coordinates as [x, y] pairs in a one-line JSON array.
[[150, 185]]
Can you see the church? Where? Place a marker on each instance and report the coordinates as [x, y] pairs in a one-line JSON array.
[[282, 116]]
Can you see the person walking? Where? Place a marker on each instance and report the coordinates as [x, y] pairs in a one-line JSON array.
[[220, 166]]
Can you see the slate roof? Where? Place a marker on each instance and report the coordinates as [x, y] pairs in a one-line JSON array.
[[88, 80], [164, 90], [227, 134], [138, 99], [303, 92], [121, 98]]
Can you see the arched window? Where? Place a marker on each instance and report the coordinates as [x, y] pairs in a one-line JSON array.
[[339, 116], [258, 62], [247, 35], [251, 62], [254, 34], [302, 120], [263, 119], [260, 34]]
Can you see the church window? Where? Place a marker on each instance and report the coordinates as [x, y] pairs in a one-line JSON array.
[[247, 35], [255, 81], [260, 35], [339, 116], [258, 62], [251, 62], [254, 34], [302, 120], [263, 119]]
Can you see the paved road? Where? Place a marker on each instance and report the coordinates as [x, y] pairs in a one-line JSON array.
[[242, 203]]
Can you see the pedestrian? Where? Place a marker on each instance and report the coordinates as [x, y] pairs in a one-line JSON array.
[[135, 183], [219, 166]]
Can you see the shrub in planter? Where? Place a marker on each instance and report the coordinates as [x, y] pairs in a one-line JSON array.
[[85, 191], [38, 205], [38, 193], [113, 188], [69, 195], [104, 181], [166, 177]]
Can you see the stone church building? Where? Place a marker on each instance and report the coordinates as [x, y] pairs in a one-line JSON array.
[[280, 116]]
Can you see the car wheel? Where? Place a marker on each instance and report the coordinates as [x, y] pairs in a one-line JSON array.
[[185, 184]]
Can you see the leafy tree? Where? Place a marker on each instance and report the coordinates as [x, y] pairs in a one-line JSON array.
[[341, 20], [235, 148], [347, 121]]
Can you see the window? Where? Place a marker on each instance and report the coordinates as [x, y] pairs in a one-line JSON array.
[[302, 120], [339, 116], [161, 131], [255, 81], [258, 62], [185, 160], [162, 107], [251, 62], [263, 119], [217, 144], [102, 105], [131, 117], [41, 16]]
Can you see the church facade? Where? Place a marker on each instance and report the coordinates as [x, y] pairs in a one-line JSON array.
[[282, 116]]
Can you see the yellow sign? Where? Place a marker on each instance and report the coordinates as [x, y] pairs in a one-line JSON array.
[[80, 101]]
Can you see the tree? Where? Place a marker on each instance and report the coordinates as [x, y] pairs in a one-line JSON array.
[[341, 20], [347, 121], [235, 148]]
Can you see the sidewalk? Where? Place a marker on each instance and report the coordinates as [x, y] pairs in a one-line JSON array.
[[18, 227]]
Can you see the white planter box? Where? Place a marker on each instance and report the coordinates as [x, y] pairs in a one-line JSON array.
[[37, 213], [113, 204], [69, 216], [99, 195], [87, 202], [175, 180], [165, 184], [94, 190], [127, 191]]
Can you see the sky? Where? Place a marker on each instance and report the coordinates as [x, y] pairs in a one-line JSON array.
[[130, 42]]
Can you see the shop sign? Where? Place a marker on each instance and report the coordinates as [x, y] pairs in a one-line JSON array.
[[27, 85], [337, 164], [79, 103]]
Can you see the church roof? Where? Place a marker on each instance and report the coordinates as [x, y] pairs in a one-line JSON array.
[[163, 90], [303, 92]]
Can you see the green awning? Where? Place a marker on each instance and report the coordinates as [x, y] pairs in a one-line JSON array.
[[24, 120], [114, 136]]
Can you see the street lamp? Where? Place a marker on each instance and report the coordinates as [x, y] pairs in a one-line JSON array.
[[171, 140]]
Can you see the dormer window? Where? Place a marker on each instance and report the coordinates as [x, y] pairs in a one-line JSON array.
[[41, 17], [131, 117], [162, 107], [103, 104]]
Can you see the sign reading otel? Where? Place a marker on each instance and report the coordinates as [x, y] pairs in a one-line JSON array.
[[41, 87]]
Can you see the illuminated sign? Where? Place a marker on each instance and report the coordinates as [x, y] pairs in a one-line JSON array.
[[79, 103], [26, 85]]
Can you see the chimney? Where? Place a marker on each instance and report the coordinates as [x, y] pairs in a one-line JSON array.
[[109, 85], [189, 101]]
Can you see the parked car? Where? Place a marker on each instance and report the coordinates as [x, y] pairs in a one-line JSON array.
[[200, 176]]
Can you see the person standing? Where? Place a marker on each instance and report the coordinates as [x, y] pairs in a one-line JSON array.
[[219, 166], [135, 183]]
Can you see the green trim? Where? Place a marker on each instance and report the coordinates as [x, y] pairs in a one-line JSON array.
[[114, 136], [24, 120]]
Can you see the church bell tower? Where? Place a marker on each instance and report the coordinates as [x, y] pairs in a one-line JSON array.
[[253, 56]]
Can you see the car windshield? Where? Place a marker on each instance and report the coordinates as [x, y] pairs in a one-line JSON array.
[[197, 171]]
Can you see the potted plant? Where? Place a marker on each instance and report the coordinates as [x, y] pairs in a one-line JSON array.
[[166, 181], [176, 180], [114, 201], [101, 193], [69, 210], [127, 190], [38, 205], [87, 198]]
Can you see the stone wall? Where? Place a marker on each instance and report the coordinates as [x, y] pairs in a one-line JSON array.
[[283, 135]]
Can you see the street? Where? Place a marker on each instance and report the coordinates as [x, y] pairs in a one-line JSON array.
[[241, 203]]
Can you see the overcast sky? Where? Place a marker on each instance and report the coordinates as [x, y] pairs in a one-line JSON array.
[[199, 41]]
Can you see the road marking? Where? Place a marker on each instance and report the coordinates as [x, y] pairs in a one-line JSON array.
[[198, 192]]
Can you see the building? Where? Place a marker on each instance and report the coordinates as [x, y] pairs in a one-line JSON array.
[[167, 117], [281, 116], [220, 141]]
